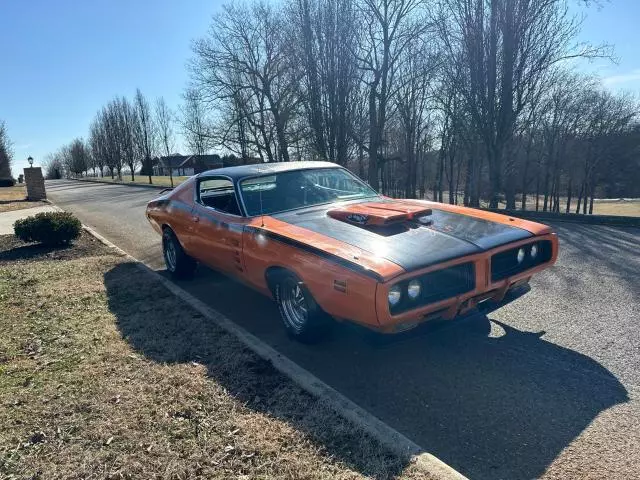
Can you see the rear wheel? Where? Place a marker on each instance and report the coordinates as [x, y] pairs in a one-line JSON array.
[[301, 315], [178, 263]]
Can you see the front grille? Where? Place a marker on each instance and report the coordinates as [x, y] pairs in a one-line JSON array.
[[505, 264], [437, 286]]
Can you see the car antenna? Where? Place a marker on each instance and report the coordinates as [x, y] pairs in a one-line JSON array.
[[261, 210]]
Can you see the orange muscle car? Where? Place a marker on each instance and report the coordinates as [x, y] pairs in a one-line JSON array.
[[323, 244]]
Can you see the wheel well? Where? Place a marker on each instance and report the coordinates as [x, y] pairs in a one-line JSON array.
[[271, 276]]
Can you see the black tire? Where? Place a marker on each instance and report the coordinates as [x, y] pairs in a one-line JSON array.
[[302, 317], [178, 263]]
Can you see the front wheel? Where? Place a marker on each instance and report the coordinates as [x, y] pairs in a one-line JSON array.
[[301, 315], [178, 263]]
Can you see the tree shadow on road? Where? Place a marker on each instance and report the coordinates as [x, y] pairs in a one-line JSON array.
[[614, 249], [488, 399]]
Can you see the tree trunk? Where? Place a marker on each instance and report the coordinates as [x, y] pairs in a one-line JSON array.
[[586, 196], [423, 179], [451, 188], [569, 196], [494, 187], [537, 191], [546, 189], [510, 181], [457, 187], [593, 194], [523, 201], [438, 194], [467, 182], [476, 169], [373, 139], [580, 197], [494, 159]]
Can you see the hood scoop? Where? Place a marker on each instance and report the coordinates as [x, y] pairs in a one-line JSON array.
[[380, 214]]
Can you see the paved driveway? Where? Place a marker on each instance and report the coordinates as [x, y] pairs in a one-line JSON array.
[[544, 386]]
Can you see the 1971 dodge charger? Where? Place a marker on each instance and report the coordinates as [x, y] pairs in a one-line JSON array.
[[323, 244]]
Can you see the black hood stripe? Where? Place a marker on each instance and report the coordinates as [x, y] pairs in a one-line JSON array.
[[410, 245]]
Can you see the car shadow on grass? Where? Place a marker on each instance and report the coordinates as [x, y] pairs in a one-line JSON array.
[[162, 328], [488, 399]]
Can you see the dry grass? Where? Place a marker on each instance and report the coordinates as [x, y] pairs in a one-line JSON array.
[[104, 374], [19, 192], [163, 181], [15, 198], [629, 208]]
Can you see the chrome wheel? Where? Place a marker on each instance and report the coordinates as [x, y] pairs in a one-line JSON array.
[[170, 255], [294, 304]]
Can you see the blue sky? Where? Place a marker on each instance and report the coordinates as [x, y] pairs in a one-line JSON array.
[[63, 59]]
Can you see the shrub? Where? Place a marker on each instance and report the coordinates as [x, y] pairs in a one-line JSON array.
[[49, 228], [7, 182]]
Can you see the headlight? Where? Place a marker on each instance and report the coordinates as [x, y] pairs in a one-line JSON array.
[[534, 251], [414, 289], [395, 293], [520, 256]]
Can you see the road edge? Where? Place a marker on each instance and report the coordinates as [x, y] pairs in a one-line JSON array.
[[606, 220], [106, 182], [390, 438]]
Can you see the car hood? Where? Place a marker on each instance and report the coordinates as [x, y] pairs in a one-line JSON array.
[[410, 234]]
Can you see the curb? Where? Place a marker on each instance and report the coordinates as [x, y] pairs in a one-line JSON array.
[[104, 182], [610, 220], [390, 438]]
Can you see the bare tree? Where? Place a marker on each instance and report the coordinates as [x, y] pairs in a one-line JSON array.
[[390, 26], [607, 117], [243, 61], [324, 42], [6, 152], [113, 135], [504, 50], [164, 130], [98, 144], [145, 133], [127, 124], [195, 125], [416, 72], [54, 169], [78, 157]]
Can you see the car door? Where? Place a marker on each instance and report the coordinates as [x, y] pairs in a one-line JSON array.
[[218, 225]]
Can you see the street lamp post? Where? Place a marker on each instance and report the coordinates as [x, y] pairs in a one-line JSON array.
[[30, 160]]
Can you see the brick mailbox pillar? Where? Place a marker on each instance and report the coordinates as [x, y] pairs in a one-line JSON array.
[[35, 184]]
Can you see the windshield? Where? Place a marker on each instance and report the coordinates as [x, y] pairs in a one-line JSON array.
[[301, 188]]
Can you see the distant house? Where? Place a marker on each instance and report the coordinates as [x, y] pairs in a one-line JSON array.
[[185, 165]]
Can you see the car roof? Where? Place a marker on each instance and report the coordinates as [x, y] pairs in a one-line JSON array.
[[242, 171]]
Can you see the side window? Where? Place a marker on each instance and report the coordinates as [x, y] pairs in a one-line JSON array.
[[218, 193]]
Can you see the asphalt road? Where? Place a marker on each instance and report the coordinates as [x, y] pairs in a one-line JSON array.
[[545, 386]]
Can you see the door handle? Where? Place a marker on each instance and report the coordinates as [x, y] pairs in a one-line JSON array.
[[195, 218]]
